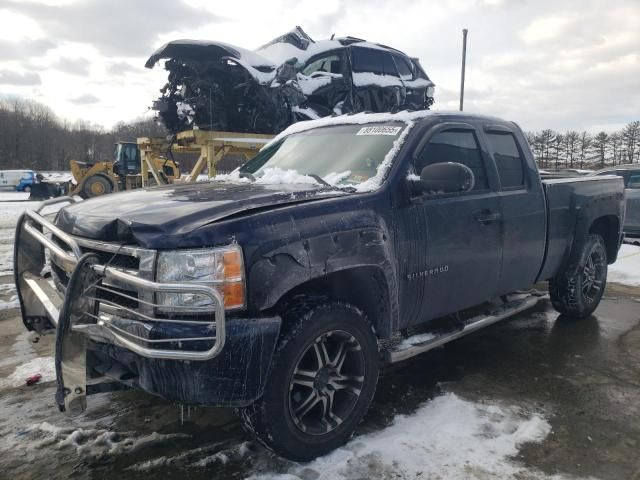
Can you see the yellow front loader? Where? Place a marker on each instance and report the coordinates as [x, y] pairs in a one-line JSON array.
[[124, 173]]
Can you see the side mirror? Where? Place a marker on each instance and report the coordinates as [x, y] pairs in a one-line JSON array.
[[445, 177]]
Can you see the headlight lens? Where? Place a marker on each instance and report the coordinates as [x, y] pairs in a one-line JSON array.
[[220, 268]]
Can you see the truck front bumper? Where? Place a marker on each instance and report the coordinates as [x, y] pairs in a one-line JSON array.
[[109, 327]]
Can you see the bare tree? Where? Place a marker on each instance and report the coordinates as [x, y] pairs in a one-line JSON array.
[[571, 143], [631, 139], [599, 145]]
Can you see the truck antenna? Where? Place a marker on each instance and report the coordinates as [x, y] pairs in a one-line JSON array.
[[464, 61]]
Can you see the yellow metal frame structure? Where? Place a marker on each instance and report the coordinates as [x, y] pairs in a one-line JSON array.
[[211, 145]]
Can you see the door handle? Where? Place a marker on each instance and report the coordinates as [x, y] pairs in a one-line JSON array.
[[487, 216]]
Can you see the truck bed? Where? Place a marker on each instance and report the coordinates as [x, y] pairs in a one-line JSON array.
[[572, 204]]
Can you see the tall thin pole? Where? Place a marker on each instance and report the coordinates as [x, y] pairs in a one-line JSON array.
[[464, 62]]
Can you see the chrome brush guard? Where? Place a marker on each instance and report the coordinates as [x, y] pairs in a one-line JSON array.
[[119, 305]]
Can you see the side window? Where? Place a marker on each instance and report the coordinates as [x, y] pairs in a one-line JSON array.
[[460, 146], [508, 159], [368, 60], [388, 67], [404, 67], [328, 63], [634, 181]]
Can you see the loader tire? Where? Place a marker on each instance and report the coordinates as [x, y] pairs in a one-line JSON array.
[[322, 378], [96, 185], [577, 291]]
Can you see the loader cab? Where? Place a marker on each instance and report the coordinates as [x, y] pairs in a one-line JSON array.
[[126, 158]]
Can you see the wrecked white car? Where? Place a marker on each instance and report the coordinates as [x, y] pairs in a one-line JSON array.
[[216, 86]]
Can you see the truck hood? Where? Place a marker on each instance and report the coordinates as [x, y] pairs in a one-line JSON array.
[[140, 216]]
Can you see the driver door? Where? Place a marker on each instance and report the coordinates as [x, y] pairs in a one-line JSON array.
[[456, 258]]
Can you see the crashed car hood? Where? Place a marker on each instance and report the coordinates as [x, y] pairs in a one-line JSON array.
[[142, 215], [208, 51]]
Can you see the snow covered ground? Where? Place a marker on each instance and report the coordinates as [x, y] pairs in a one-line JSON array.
[[627, 269], [473, 440]]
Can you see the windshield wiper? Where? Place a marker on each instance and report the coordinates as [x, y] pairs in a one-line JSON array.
[[319, 179]]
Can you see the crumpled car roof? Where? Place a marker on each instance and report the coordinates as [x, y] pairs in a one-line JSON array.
[[210, 79]]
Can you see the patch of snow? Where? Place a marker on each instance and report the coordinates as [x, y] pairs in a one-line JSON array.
[[309, 112], [275, 175], [9, 214], [96, 443], [280, 52], [12, 303], [447, 438], [334, 178], [13, 196], [415, 340], [201, 457], [233, 177], [364, 79], [45, 366], [417, 83], [7, 288], [626, 270], [413, 177], [309, 84], [57, 176]]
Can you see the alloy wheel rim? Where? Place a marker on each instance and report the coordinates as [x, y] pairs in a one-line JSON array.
[[326, 382], [592, 274]]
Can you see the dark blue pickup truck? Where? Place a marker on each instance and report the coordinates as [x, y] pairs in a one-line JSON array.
[[281, 289]]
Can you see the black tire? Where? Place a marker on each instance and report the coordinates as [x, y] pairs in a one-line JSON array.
[[311, 413], [96, 185], [577, 291], [27, 189]]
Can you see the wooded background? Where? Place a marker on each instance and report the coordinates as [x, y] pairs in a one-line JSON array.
[[33, 137]]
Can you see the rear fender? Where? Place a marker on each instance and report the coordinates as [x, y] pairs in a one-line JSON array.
[[609, 206]]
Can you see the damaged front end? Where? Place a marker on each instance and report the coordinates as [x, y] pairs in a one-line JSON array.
[[216, 86], [221, 94], [113, 327]]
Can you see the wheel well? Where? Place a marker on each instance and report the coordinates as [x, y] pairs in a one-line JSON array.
[[362, 287], [607, 227]]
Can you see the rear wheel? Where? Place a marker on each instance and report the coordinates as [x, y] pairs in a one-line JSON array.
[[96, 185], [322, 379], [577, 291]]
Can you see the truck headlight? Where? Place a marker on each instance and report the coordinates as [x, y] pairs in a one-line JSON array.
[[220, 268]]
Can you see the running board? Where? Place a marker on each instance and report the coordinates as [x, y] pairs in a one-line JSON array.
[[423, 342]]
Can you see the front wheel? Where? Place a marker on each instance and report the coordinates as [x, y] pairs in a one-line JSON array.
[[322, 379], [577, 291]]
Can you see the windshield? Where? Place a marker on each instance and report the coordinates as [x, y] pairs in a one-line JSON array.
[[344, 155]]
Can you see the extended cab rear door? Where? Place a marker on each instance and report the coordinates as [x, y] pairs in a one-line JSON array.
[[523, 207]]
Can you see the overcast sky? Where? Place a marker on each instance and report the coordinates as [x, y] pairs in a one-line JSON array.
[[563, 64]]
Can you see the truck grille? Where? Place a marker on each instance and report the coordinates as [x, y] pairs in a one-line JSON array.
[[123, 258]]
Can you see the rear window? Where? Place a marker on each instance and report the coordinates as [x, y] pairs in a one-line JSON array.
[[508, 159]]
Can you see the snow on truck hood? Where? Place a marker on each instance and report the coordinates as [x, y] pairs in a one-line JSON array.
[[142, 215]]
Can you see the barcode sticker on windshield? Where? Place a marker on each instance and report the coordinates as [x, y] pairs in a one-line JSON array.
[[379, 130]]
